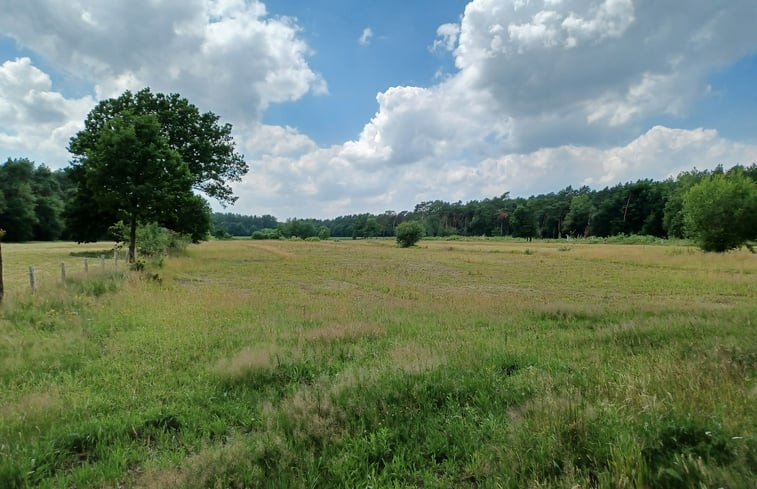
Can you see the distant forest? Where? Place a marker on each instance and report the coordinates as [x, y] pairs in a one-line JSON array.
[[34, 201], [644, 207]]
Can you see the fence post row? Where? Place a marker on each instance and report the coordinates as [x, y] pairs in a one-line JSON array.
[[33, 271]]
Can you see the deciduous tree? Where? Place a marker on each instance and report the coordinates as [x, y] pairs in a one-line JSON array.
[[409, 233], [132, 174], [205, 145], [182, 147], [720, 211]]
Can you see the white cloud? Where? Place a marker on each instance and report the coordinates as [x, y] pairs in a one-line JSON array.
[[227, 56], [547, 93], [37, 121], [582, 71], [365, 37], [333, 181], [447, 35]]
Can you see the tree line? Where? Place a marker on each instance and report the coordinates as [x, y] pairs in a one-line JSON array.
[[644, 207], [39, 204], [144, 158]]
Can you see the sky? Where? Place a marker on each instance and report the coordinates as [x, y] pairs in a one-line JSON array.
[[344, 107]]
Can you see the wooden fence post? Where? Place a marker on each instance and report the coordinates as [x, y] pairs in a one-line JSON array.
[[102, 263], [63, 273], [86, 266], [32, 278], [2, 288]]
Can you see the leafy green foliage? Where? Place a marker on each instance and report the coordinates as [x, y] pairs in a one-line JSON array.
[[409, 233], [267, 233], [153, 240], [18, 217], [239, 225], [297, 228], [131, 173], [202, 143], [720, 211]]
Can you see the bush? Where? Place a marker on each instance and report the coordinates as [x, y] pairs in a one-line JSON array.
[[152, 239], [266, 233], [719, 212], [409, 233]]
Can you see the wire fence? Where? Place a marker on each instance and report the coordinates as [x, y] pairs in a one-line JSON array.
[[44, 271]]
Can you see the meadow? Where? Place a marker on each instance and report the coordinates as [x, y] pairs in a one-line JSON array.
[[477, 363]]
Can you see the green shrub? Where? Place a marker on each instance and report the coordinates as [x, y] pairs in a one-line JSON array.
[[719, 212], [409, 233], [266, 233]]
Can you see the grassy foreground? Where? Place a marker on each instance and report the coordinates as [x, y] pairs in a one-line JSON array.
[[359, 364]]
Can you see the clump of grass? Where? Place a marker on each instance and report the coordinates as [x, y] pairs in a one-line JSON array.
[[250, 361], [344, 332], [412, 358], [97, 285]]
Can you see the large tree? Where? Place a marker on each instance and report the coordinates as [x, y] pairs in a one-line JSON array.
[[196, 142], [205, 145], [131, 173]]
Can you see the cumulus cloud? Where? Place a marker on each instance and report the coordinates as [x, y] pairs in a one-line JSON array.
[[446, 37], [546, 93], [228, 56], [365, 37], [328, 182], [580, 71], [37, 121]]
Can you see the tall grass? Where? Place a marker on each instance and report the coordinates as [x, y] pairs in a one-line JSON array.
[[356, 363]]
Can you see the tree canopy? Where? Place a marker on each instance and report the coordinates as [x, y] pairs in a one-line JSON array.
[[139, 158], [720, 212], [205, 145], [132, 174], [32, 199]]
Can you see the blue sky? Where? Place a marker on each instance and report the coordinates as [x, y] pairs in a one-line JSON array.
[[397, 53], [344, 107]]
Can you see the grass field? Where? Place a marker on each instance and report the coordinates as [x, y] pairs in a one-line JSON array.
[[360, 364]]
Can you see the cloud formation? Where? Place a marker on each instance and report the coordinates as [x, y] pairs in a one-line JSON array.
[[327, 182], [228, 56], [36, 120], [546, 93]]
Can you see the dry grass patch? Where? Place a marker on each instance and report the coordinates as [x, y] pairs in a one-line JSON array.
[[309, 415], [32, 405], [344, 332], [413, 358], [275, 250], [263, 357], [214, 466]]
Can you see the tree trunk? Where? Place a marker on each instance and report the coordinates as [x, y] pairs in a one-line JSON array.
[[2, 289], [132, 239]]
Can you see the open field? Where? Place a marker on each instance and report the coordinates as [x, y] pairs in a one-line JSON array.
[[359, 364]]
